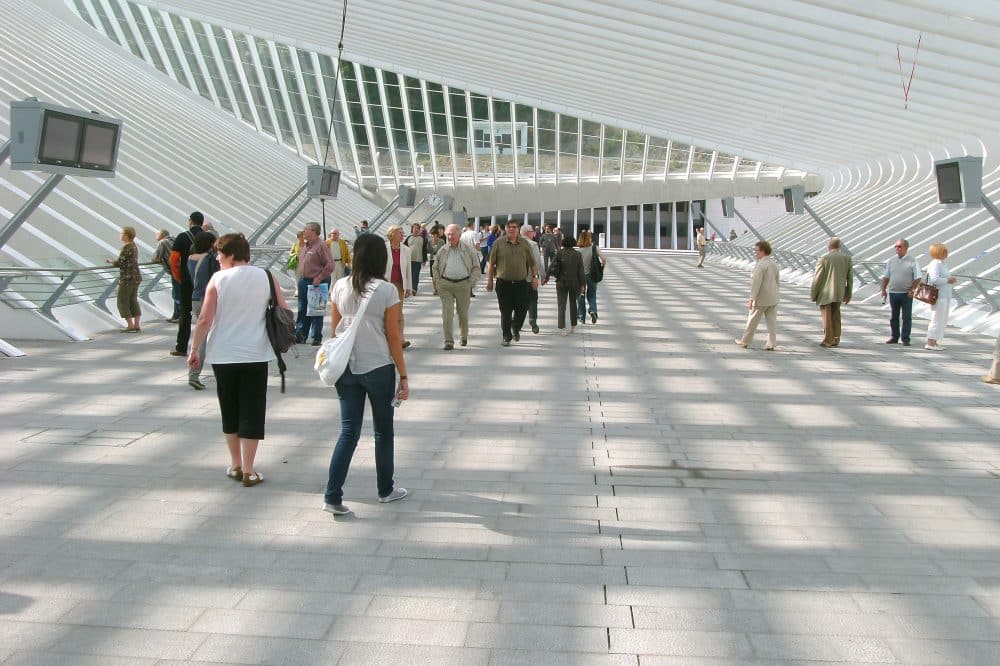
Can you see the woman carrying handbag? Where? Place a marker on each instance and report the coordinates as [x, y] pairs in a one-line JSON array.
[[376, 356]]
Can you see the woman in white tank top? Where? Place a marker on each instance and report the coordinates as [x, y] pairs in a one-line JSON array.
[[232, 320]]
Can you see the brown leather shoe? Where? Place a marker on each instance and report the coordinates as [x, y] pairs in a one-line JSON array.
[[252, 479]]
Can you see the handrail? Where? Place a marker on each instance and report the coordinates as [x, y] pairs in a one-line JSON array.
[[975, 290], [43, 289]]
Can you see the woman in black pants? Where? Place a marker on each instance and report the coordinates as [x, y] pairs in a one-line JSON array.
[[567, 269], [232, 318]]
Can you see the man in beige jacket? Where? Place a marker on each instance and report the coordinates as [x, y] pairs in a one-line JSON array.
[[764, 296], [832, 285]]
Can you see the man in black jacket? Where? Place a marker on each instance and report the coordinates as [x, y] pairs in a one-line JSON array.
[[179, 268]]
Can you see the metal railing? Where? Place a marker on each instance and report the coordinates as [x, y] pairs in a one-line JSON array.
[[44, 289], [974, 290]]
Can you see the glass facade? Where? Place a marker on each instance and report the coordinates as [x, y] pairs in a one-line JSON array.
[[388, 128]]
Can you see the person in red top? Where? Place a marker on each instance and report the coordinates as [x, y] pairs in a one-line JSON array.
[[315, 267], [397, 270], [179, 269]]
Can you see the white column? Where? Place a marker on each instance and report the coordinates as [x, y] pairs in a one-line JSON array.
[[642, 225], [673, 225], [659, 229]]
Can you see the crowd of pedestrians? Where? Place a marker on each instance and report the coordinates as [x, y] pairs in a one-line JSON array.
[[227, 297]]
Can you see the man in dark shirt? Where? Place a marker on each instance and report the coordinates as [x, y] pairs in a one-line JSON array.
[[516, 272], [179, 269]]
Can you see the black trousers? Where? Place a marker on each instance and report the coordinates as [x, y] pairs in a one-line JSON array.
[[512, 296], [184, 317]]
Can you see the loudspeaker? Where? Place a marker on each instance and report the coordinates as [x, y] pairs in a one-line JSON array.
[[728, 205], [960, 181], [322, 182], [407, 196], [795, 198]]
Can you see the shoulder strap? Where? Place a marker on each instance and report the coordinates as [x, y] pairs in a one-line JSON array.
[[270, 280]]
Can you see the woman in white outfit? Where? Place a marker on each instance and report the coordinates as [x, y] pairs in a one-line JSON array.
[[939, 276]]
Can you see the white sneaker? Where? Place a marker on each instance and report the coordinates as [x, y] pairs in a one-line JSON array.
[[934, 347], [397, 494], [336, 509], [564, 332]]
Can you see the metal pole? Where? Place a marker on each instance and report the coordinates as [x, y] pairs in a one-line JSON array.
[[989, 205], [412, 211], [748, 225], [322, 205], [288, 220], [29, 207], [46, 308], [822, 225], [275, 215], [710, 223], [5, 151], [151, 284]]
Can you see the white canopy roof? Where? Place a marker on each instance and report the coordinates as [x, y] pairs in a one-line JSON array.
[[813, 85]]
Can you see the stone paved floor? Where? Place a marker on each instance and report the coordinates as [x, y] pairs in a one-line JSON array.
[[643, 492]]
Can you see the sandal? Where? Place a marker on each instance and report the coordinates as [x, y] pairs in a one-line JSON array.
[[234, 473], [252, 479]]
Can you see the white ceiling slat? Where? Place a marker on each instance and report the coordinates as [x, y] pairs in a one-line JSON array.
[[818, 78]]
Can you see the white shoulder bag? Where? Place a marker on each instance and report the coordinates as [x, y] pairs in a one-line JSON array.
[[334, 354]]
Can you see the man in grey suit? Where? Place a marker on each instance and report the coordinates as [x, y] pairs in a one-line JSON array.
[[831, 286], [764, 296]]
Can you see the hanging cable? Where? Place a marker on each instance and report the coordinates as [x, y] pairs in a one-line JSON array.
[[336, 83]]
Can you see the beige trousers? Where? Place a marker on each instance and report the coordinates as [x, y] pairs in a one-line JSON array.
[[455, 296], [770, 315], [831, 323]]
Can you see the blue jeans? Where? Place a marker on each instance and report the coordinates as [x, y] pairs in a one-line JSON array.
[[379, 386], [415, 267], [304, 324], [175, 293], [900, 302], [590, 300]]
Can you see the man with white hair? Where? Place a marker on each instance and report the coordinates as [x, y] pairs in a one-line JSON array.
[[528, 233], [455, 271]]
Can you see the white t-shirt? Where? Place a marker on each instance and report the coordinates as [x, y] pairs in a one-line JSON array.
[[371, 348], [238, 334]]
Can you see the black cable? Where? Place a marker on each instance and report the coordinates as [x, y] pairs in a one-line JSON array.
[[336, 86]]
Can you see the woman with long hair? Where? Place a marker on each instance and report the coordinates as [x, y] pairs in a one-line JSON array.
[[371, 371], [238, 349], [588, 300], [129, 278]]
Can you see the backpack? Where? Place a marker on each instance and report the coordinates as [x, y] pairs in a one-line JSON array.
[[596, 267], [556, 267]]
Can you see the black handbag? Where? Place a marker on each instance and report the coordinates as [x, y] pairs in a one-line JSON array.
[[280, 325], [596, 267]]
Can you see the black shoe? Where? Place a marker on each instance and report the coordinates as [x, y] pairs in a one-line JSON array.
[[505, 343], [517, 336], [906, 343], [448, 346], [406, 343], [593, 317], [316, 343], [299, 339], [472, 295], [891, 341], [465, 342], [174, 352], [534, 329], [173, 320]]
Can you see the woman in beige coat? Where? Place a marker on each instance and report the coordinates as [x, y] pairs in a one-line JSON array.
[[764, 297]]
